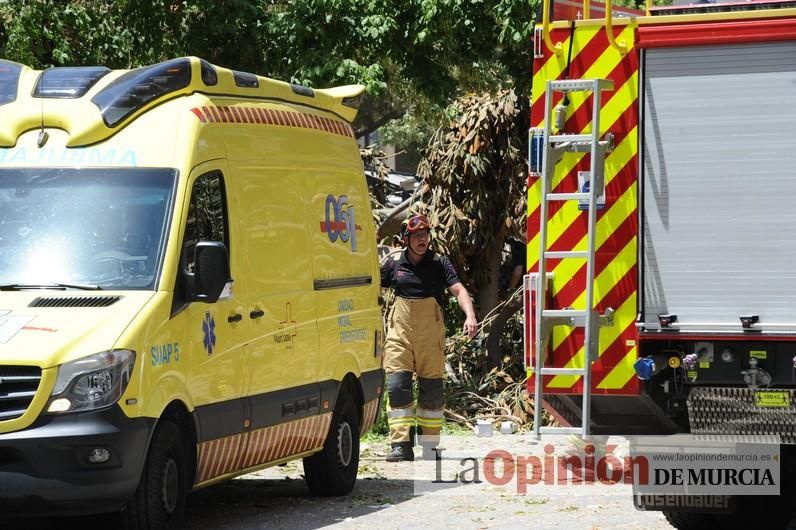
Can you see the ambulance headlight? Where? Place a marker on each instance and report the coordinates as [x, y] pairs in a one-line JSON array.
[[92, 382]]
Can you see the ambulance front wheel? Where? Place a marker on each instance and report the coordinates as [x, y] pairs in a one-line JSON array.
[[332, 472], [159, 501]]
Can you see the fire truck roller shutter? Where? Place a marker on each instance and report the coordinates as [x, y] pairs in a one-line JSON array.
[[719, 185]]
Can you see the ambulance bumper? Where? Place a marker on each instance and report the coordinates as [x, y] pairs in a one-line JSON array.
[[45, 469]]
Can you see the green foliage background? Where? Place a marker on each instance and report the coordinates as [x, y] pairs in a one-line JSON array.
[[414, 56], [453, 75]]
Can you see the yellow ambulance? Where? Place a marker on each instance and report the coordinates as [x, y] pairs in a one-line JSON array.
[[188, 286]]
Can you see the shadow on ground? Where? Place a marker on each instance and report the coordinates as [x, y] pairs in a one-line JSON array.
[[287, 503], [249, 504]]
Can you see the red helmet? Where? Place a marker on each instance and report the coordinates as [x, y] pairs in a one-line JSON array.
[[415, 224]]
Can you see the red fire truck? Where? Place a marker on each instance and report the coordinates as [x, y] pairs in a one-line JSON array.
[[661, 295]]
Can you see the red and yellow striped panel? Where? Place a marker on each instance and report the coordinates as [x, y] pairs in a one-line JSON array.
[[265, 116], [369, 412], [616, 238], [252, 449]]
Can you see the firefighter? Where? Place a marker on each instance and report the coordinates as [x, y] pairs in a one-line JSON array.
[[416, 337]]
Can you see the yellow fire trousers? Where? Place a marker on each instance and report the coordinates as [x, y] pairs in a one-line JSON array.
[[415, 345]]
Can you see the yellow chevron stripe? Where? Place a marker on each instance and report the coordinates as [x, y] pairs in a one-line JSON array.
[[626, 96], [621, 263], [556, 64], [625, 313], [600, 69], [569, 212], [622, 373], [606, 280], [603, 284], [615, 271]]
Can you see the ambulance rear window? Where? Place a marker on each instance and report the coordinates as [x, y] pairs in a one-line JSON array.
[[136, 88], [68, 82], [9, 81]]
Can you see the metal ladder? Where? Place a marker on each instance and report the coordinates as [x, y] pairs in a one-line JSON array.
[[554, 146]]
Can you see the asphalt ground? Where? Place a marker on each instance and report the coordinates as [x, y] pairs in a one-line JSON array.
[[413, 495], [478, 482]]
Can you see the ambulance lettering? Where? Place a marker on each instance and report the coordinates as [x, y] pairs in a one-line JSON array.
[[60, 155], [340, 222], [165, 354]]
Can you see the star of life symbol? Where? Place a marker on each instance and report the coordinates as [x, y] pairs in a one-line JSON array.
[[209, 330]]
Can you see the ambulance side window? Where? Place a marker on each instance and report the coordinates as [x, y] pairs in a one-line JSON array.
[[207, 221], [207, 215]]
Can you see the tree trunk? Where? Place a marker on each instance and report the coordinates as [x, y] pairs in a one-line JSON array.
[[488, 291], [494, 352]]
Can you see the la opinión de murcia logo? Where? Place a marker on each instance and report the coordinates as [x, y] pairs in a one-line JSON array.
[[740, 471]]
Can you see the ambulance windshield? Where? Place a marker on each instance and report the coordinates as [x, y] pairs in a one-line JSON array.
[[103, 227]]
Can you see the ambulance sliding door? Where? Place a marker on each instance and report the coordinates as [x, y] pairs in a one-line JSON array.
[[719, 182], [283, 355]]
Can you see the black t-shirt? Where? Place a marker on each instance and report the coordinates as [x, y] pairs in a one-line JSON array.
[[518, 253], [428, 278]]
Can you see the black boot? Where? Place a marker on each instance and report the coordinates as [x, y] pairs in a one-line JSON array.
[[401, 452]]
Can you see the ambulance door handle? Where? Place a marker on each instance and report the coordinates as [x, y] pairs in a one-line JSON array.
[[257, 313], [235, 317]]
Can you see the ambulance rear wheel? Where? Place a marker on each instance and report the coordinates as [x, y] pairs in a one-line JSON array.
[[332, 472], [159, 501]]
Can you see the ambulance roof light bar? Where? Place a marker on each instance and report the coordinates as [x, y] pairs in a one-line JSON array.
[[208, 72], [68, 82], [9, 81], [245, 79], [133, 90]]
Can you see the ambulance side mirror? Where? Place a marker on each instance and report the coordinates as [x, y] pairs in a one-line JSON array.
[[211, 271]]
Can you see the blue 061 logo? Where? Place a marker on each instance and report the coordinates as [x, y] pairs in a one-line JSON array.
[[340, 223]]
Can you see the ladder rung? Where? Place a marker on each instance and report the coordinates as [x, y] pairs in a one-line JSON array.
[[578, 138], [563, 371], [567, 196], [561, 254], [561, 430], [573, 85], [563, 313]]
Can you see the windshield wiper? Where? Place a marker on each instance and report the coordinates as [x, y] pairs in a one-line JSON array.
[[50, 285]]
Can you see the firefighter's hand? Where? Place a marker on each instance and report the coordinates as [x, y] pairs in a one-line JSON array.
[[471, 326]]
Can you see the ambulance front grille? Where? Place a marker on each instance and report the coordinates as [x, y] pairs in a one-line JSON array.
[[18, 385], [733, 411]]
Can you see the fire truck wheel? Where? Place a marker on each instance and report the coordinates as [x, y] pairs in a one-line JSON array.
[[760, 511], [332, 472], [689, 520], [159, 501]]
